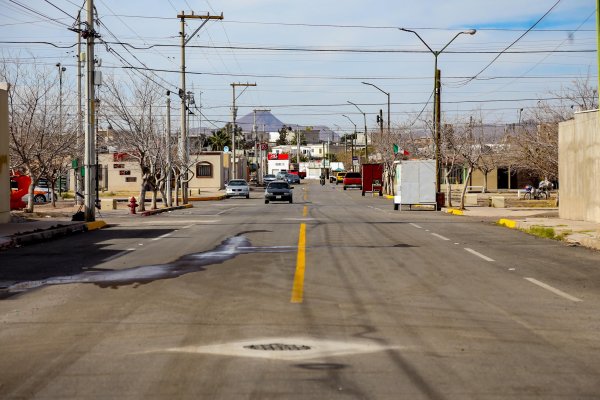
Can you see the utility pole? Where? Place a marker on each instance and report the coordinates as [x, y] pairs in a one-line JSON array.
[[77, 176], [89, 161], [233, 126], [182, 149], [261, 168], [168, 150]]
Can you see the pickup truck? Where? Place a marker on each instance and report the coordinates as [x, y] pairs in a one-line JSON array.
[[301, 174]]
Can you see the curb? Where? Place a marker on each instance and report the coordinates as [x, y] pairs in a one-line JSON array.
[[509, 223], [162, 210], [92, 226], [219, 197], [454, 211]]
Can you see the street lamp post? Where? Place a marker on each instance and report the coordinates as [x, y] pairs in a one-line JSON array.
[[388, 102], [366, 142], [61, 69], [437, 101], [351, 142]]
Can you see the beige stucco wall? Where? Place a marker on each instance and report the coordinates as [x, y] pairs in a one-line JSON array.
[[118, 182], [4, 164], [492, 179], [579, 167], [217, 181]]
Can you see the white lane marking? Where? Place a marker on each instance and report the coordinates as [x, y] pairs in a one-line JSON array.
[[117, 255], [416, 226], [486, 258], [131, 249], [164, 236], [379, 209], [187, 226], [456, 243], [553, 289], [224, 211], [440, 236]]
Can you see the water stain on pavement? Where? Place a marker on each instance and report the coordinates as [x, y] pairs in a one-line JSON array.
[[227, 250]]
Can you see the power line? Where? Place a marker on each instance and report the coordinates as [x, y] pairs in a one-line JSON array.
[[505, 51], [38, 13]]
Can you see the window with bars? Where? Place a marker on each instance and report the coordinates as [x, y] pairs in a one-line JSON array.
[[204, 170]]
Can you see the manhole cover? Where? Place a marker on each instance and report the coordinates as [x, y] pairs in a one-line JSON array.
[[277, 347]]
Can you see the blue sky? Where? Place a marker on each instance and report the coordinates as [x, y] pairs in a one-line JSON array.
[[313, 88]]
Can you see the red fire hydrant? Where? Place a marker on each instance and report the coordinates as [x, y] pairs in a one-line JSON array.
[[132, 205]]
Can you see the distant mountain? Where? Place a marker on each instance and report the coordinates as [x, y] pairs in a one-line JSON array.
[[265, 122]]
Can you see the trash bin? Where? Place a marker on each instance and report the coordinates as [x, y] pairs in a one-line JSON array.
[[440, 199]]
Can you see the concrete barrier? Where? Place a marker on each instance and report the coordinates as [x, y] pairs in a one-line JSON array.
[[498, 202], [471, 199], [108, 204]]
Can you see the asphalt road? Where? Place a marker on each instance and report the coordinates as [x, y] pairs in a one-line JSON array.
[[336, 296]]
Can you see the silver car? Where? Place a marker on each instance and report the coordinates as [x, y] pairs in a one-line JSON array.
[[237, 187]]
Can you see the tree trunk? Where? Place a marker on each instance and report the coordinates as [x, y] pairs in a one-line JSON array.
[[464, 189], [30, 202], [448, 190], [52, 192], [142, 199], [154, 195], [177, 191], [485, 181]]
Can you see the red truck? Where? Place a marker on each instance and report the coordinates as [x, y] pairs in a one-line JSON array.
[[372, 178], [295, 169]]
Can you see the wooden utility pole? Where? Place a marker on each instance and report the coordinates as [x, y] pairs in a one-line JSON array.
[[77, 175], [183, 142], [89, 161], [168, 151], [233, 117]]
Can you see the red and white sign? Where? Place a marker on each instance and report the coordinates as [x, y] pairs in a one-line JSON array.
[[278, 156]]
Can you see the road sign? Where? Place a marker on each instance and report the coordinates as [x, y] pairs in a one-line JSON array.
[[264, 146], [226, 149]]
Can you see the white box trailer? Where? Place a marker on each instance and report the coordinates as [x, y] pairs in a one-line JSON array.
[[415, 183]]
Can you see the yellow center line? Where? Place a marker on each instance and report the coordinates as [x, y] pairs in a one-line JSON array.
[[305, 211], [298, 287]]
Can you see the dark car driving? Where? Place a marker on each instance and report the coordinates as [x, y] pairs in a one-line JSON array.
[[278, 190]]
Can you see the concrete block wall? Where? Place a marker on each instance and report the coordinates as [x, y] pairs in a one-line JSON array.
[[579, 167]]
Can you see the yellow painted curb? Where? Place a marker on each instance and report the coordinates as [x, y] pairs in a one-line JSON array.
[[91, 226], [509, 223], [454, 211], [389, 197]]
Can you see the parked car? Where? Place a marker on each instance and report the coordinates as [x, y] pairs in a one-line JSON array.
[[292, 178], [237, 187], [339, 177], [269, 178], [281, 174], [278, 190], [353, 180]]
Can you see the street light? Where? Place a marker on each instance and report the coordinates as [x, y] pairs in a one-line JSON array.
[[366, 142], [388, 102], [61, 69], [352, 142], [437, 101]]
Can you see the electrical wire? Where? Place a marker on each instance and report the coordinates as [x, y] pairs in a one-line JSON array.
[[505, 51]]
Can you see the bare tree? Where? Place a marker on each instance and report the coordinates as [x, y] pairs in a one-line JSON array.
[[41, 140], [129, 107], [383, 147], [534, 143]]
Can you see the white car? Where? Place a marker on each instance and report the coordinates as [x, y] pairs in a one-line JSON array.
[[237, 187]]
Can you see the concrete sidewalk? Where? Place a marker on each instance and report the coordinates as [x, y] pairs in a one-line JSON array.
[[538, 221]]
